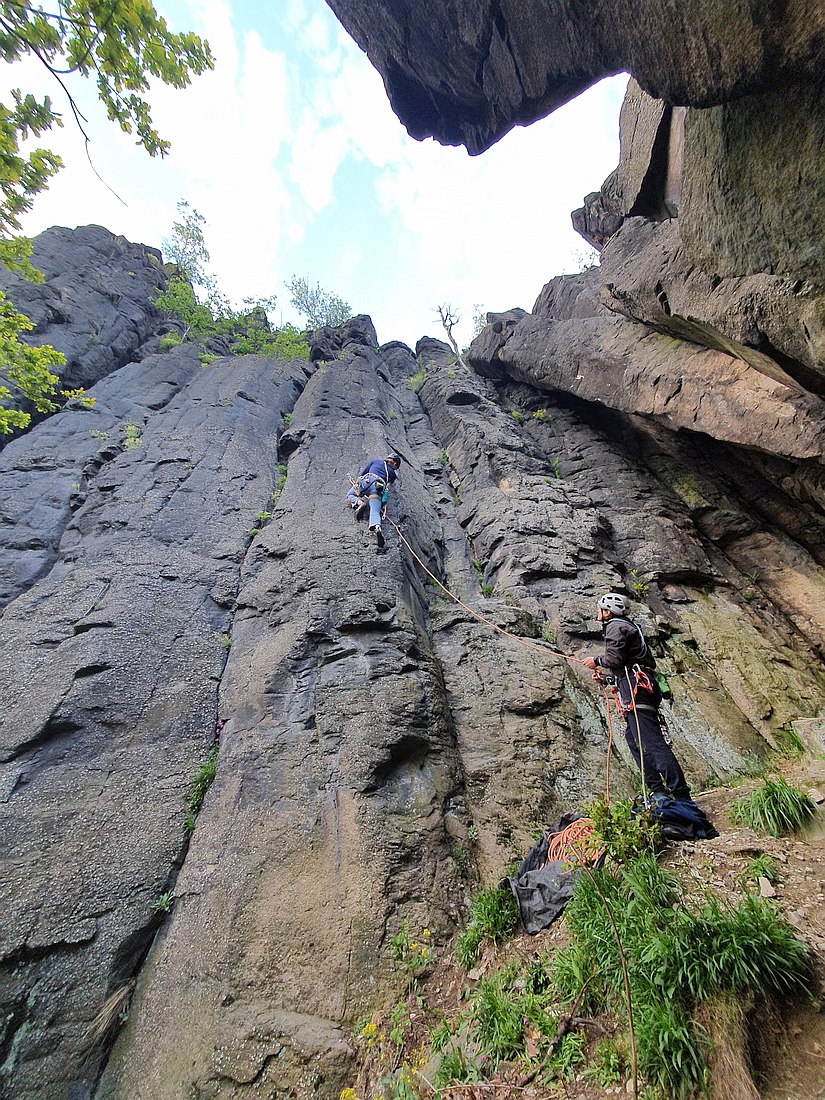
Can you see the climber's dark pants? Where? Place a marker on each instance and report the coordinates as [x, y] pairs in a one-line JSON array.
[[661, 769]]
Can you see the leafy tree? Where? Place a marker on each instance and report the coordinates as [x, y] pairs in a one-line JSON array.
[[25, 367], [319, 306], [187, 247], [121, 45]]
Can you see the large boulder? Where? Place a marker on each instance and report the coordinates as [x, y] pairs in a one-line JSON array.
[[467, 72]]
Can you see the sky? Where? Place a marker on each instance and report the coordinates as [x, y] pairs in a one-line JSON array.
[[291, 152]]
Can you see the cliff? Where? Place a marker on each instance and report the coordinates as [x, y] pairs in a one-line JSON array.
[[181, 576]]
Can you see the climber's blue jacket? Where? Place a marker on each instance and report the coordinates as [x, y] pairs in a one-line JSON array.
[[379, 468]]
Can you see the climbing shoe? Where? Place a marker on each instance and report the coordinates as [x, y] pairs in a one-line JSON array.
[[362, 509], [379, 536]]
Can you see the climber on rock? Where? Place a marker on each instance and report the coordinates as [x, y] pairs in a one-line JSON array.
[[628, 659], [371, 487]]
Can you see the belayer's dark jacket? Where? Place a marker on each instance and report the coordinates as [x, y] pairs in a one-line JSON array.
[[624, 646]]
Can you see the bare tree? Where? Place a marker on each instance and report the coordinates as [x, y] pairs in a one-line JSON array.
[[449, 317]]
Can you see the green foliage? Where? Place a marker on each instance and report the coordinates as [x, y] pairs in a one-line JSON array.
[[776, 808], [493, 917], [224, 639], [444, 458], [206, 359], [280, 482], [96, 433], [517, 416], [413, 954], [789, 743], [289, 343], [131, 436], [122, 46], [623, 835], [568, 1055], [287, 419], [26, 369], [455, 1068], [179, 301], [187, 248], [479, 320], [201, 783], [248, 331], [400, 1084], [399, 1017], [761, 866], [163, 902], [548, 634], [555, 466], [487, 590], [677, 955], [540, 414], [416, 381], [498, 1019], [606, 1065], [169, 340], [319, 306], [638, 584], [264, 516]]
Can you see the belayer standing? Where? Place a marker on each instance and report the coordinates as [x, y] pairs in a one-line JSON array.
[[372, 485], [627, 657]]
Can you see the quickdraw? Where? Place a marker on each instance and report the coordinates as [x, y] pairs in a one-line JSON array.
[[640, 680]]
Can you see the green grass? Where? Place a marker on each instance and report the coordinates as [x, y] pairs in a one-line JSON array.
[[416, 381], [455, 1068], [493, 917], [776, 808], [761, 866], [677, 956]]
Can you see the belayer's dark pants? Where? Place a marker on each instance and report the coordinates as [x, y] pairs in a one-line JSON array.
[[661, 769]]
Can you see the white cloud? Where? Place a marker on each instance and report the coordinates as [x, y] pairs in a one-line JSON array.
[[268, 145]]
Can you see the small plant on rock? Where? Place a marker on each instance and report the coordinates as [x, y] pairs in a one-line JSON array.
[[201, 783], [131, 437], [416, 381], [548, 634], [540, 414], [517, 416], [638, 584], [287, 419], [280, 482], [761, 866], [413, 954], [163, 902], [555, 466]]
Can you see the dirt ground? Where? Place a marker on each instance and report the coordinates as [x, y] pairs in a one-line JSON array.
[[786, 1048]]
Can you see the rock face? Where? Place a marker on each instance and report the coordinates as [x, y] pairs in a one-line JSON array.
[[466, 72], [183, 582], [94, 304]]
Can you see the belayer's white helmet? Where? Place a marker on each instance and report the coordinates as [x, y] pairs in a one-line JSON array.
[[614, 602]]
